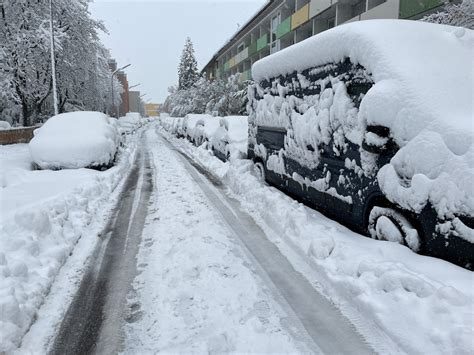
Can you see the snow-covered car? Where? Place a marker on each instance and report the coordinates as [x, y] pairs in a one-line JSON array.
[[188, 124], [371, 123], [75, 140], [230, 139], [5, 125], [130, 123], [204, 129]]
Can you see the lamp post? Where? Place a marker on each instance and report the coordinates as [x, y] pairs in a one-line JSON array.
[[112, 86], [53, 62], [133, 86]]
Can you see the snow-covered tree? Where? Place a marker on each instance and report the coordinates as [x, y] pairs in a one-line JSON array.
[[188, 72], [454, 14], [82, 72], [219, 97]]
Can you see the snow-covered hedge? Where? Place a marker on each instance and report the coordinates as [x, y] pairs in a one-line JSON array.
[[422, 92], [75, 140]]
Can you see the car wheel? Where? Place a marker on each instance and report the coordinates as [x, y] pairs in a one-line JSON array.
[[260, 171], [389, 224]]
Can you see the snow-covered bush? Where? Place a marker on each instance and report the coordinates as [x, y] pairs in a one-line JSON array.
[[224, 97], [75, 140], [454, 14]]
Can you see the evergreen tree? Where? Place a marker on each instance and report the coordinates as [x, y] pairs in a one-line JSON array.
[[187, 71]]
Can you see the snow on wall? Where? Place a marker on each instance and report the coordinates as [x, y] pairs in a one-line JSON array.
[[423, 93]]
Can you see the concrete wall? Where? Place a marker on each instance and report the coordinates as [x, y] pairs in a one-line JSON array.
[[16, 135]]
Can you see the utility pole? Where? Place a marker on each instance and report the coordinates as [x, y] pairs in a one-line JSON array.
[[112, 86], [53, 61]]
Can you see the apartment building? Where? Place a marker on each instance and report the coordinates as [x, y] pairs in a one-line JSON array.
[[124, 106], [282, 23]]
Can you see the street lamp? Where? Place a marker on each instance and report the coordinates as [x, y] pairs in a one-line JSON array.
[[112, 85], [53, 62], [133, 86]]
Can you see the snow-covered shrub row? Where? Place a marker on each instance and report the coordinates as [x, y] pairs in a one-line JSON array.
[[25, 74], [388, 292], [75, 140], [426, 105], [216, 97], [43, 215]]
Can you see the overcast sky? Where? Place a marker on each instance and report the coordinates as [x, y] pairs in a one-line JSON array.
[[150, 35]]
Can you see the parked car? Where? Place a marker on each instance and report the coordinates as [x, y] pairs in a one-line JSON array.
[[360, 123], [188, 124], [204, 129], [230, 138], [76, 140]]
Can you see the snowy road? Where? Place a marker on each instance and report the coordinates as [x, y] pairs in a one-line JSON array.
[[190, 272], [93, 320]]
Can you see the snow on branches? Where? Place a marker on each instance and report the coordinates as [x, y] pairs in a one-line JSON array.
[[461, 15], [216, 97], [25, 67], [188, 72]]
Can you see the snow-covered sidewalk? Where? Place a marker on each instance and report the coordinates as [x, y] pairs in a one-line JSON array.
[[43, 215], [400, 301]]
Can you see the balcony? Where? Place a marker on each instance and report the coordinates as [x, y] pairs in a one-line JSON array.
[[300, 17]]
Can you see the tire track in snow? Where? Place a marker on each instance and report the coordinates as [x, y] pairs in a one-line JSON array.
[[93, 321], [323, 322]]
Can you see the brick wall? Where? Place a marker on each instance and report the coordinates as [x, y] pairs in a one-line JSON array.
[[16, 135]]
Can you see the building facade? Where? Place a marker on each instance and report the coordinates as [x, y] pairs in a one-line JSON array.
[[124, 106], [282, 23], [152, 109]]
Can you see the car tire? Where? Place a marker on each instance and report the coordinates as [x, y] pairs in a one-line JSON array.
[[260, 171], [390, 225]]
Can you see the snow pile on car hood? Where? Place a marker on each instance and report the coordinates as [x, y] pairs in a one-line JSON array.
[[423, 93], [75, 140]]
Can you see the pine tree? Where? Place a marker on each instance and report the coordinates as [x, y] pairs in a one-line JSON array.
[[187, 71]]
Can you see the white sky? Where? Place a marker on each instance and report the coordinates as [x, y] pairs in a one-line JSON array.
[[150, 35]]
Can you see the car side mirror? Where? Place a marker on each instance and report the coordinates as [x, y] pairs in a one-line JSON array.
[[376, 139]]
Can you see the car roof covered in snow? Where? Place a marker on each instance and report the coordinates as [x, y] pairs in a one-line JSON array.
[[431, 62]]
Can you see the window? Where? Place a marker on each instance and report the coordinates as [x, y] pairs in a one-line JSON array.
[[331, 22], [240, 48], [274, 42]]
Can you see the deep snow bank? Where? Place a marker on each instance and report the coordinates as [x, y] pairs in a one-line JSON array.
[[43, 214], [423, 92], [425, 305]]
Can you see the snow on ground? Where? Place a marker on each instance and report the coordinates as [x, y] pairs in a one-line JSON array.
[[43, 214], [195, 291], [425, 305], [75, 140]]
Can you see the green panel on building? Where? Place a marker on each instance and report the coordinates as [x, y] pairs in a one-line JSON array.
[[226, 66], [410, 8], [262, 42], [284, 28], [252, 49]]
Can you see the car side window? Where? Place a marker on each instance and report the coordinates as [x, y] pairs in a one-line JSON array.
[[271, 137]]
